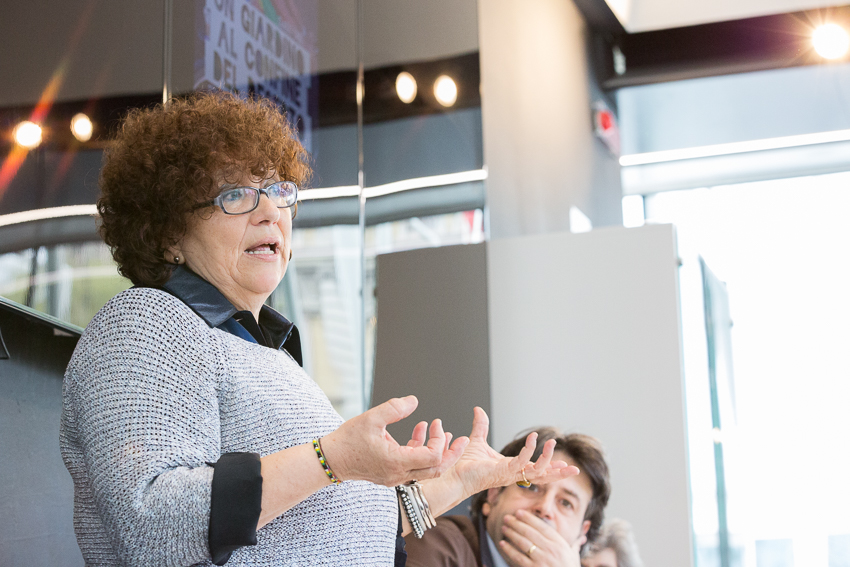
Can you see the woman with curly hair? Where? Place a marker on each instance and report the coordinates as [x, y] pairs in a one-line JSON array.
[[190, 430]]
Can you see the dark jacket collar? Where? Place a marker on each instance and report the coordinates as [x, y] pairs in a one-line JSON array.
[[483, 543], [215, 309]]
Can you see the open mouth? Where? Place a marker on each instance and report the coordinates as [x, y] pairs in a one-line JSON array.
[[268, 248]]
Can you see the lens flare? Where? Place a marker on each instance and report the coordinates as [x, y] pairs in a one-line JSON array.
[[81, 127], [16, 157], [28, 134], [831, 41], [405, 86], [445, 90]]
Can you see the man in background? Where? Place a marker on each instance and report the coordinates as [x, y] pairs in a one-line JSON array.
[[544, 525]]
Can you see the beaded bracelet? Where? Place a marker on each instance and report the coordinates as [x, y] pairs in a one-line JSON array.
[[427, 517], [317, 446], [416, 507]]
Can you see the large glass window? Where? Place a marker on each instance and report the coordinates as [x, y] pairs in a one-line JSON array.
[[781, 248], [321, 293], [379, 153], [68, 281]]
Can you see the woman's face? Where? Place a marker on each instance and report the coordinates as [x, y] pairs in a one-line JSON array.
[[244, 256]]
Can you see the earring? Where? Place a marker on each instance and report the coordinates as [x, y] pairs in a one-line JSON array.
[[177, 259]]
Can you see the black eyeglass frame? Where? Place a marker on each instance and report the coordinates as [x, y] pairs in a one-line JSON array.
[[258, 192]]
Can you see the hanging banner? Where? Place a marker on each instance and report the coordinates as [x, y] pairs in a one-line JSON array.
[[262, 47]]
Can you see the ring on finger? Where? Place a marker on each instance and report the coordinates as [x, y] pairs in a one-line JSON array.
[[524, 482], [531, 550]]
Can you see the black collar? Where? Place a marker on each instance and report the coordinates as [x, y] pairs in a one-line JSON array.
[[483, 543], [215, 309]]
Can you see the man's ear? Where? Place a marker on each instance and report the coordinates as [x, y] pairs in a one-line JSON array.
[[585, 526], [492, 498]]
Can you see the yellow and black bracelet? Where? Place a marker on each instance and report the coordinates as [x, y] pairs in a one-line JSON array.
[[317, 446]]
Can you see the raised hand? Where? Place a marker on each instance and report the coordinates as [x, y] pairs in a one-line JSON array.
[[363, 449], [481, 467]]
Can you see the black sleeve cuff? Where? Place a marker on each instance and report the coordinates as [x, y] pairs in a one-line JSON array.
[[400, 552], [235, 504]]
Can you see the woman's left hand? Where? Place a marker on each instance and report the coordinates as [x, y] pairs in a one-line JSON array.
[[481, 467]]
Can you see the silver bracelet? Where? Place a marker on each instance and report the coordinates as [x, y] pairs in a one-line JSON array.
[[416, 506], [425, 509], [410, 511]]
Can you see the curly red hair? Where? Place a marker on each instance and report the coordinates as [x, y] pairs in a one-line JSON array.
[[167, 159]]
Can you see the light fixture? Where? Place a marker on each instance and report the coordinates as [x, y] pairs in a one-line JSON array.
[[831, 41], [394, 186], [733, 148], [405, 86], [28, 134], [445, 90], [81, 127]]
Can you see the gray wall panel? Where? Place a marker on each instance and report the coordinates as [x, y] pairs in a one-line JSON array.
[[432, 335], [585, 336]]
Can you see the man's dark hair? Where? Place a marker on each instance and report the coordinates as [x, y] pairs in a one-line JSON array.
[[583, 451]]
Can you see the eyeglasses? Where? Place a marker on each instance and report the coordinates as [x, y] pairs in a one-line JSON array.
[[241, 200]]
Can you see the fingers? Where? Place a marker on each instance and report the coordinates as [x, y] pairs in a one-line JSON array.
[[575, 547], [454, 452], [525, 454], [532, 527], [450, 457], [556, 471], [545, 470], [430, 450], [545, 456], [426, 456], [514, 555], [417, 438], [448, 442], [436, 436], [544, 551], [519, 540], [525, 530], [393, 410], [480, 425]]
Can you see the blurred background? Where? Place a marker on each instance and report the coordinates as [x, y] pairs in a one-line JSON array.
[[509, 139]]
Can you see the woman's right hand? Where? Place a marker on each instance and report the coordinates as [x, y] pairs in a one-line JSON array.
[[363, 449]]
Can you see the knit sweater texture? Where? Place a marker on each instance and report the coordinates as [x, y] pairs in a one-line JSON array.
[[151, 397]]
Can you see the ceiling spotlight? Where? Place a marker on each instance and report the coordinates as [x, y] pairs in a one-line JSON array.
[[81, 127], [405, 86], [831, 41], [28, 134], [445, 90]]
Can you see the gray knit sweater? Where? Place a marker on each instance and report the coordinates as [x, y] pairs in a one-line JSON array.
[[153, 394]]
